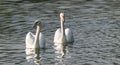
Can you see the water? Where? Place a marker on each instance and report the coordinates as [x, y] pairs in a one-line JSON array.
[[95, 24]]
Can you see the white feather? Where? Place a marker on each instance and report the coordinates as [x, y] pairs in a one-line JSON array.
[[57, 35], [69, 35], [29, 40], [42, 41]]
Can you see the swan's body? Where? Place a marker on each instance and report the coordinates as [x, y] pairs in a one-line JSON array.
[[36, 41], [30, 37], [63, 35]]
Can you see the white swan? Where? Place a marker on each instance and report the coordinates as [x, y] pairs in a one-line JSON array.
[[36, 41], [63, 35]]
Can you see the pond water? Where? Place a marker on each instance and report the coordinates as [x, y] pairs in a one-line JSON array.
[[94, 23]]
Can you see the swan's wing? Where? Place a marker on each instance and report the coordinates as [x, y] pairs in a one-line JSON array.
[[42, 41], [29, 40], [57, 35], [69, 35]]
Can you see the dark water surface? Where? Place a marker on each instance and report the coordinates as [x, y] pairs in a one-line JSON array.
[[95, 24]]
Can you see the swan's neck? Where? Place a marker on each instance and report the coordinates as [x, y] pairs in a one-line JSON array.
[[36, 41], [63, 32]]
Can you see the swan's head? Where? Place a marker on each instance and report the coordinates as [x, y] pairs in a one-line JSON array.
[[62, 17], [37, 23]]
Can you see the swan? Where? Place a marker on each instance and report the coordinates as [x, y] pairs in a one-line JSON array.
[[63, 35], [36, 41]]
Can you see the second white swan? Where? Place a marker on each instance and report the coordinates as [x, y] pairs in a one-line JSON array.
[[63, 35]]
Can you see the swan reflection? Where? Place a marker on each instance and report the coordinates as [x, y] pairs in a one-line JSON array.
[[33, 56], [60, 51]]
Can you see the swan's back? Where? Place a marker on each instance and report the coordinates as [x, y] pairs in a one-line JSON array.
[[29, 40], [41, 40], [69, 35]]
